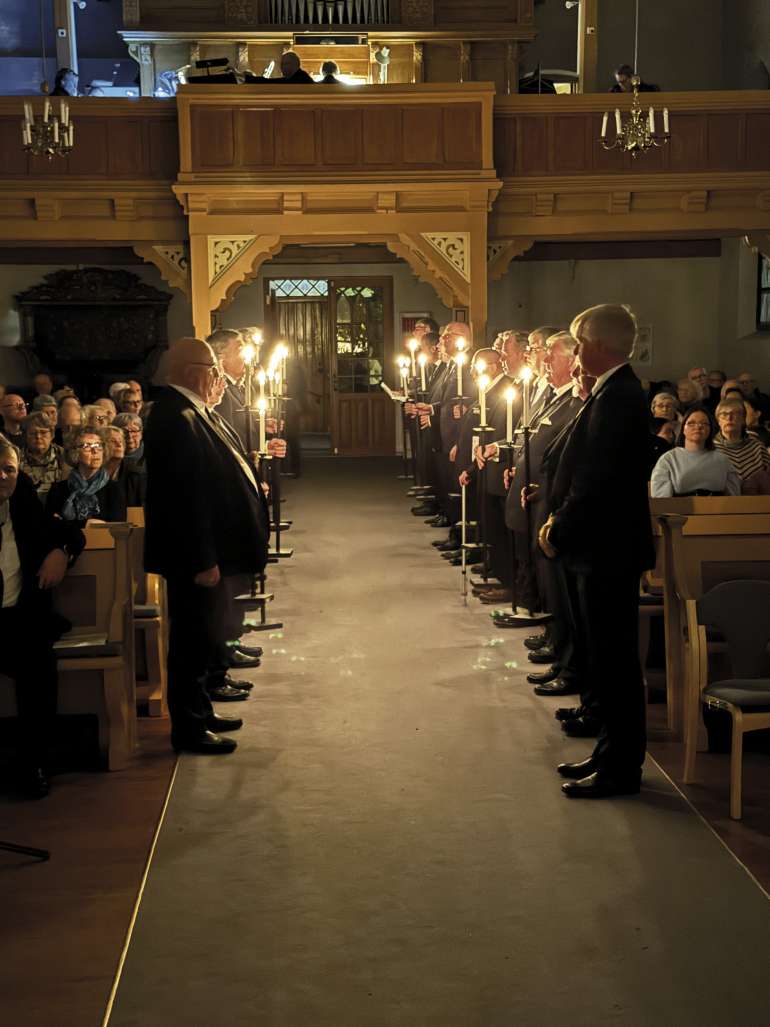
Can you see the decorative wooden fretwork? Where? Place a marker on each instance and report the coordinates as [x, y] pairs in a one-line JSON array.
[[454, 247]]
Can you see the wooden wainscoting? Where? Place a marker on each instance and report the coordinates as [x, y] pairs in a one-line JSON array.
[[364, 424]]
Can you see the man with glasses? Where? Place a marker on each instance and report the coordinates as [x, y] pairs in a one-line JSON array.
[[35, 551], [14, 410], [206, 521], [748, 385]]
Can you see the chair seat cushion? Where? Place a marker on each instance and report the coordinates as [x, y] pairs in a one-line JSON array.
[[747, 693], [145, 610]]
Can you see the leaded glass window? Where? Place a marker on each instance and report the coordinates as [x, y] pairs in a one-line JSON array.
[[299, 288], [359, 337]]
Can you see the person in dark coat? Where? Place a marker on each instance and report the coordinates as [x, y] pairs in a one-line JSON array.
[[599, 526], [88, 493], [35, 552], [205, 520]]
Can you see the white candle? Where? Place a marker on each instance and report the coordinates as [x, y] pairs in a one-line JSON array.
[[71, 130], [460, 360], [605, 119], [261, 379], [422, 360], [46, 110], [483, 383], [463, 512], [271, 383], [665, 120], [652, 121], [63, 112], [25, 134], [262, 407], [55, 130], [509, 396], [28, 113], [618, 124], [525, 396], [413, 345]]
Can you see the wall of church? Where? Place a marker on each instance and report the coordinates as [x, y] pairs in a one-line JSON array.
[[746, 44], [17, 278], [742, 347], [556, 43]]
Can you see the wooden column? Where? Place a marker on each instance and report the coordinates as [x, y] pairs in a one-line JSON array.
[[199, 283], [588, 46]]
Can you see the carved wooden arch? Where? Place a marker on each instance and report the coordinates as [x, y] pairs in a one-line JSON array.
[[172, 260], [244, 268], [500, 253], [431, 267]]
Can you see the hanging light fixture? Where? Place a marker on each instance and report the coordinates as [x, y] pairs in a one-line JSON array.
[[639, 131], [50, 134]]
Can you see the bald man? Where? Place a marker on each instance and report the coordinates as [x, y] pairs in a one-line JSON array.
[[206, 521]]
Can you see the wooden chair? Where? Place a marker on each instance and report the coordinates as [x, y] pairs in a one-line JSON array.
[[701, 551], [740, 611], [150, 624], [96, 658]]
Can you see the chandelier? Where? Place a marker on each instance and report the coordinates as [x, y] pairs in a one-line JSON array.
[[48, 135], [638, 133]]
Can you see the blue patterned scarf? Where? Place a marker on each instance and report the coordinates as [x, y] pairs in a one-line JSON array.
[[82, 502]]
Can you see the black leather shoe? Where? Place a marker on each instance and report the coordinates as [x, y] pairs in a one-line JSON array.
[[437, 543], [569, 712], [451, 554], [207, 744], [584, 726], [556, 687], [577, 771], [248, 650], [242, 686], [543, 677], [543, 655], [239, 661], [216, 723], [226, 693], [423, 511], [535, 642], [600, 785], [439, 521], [448, 546], [33, 782]]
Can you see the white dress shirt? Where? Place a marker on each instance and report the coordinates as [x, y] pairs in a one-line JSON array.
[[10, 564]]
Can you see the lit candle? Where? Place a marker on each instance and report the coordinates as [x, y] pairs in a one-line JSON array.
[[404, 376], [605, 119], [413, 345], [261, 379], [618, 124], [460, 360], [46, 110], [652, 121], [483, 386], [262, 408], [526, 377], [422, 360], [665, 120], [510, 394], [271, 382]]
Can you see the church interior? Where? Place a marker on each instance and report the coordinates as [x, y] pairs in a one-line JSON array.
[[332, 183]]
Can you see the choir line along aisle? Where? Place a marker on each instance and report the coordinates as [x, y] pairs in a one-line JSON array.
[[389, 844]]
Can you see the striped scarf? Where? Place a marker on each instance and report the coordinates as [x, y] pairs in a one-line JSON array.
[[748, 456]]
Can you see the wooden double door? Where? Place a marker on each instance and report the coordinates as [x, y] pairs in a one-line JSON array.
[[340, 338]]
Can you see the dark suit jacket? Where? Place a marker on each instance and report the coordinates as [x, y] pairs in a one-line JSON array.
[[231, 408], [448, 426], [599, 496], [497, 415], [202, 510], [37, 534]]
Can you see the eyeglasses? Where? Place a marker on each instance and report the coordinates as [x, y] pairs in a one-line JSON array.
[[20, 405], [93, 447], [133, 431]]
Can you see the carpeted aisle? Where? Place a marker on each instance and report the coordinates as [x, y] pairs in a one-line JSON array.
[[389, 845]]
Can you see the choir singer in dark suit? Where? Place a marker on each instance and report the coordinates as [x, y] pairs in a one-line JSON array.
[[205, 522], [600, 527]]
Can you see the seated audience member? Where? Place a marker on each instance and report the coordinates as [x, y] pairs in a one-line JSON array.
[[95, 417], [107, 404], [115, 390], [129, 479], [623, 83], [130, 401], [699, 375], [133, 429], [664, 436], [42, 384], [47, 408], [688, 393], [35, 552], [65, 392], [88, 493], [715, 381], [329, 71], [14, 410], [754, 421], [42, 460], [731, 390], [749, 388], [70, 417], [665, 406], [695, 467], [748, 456]]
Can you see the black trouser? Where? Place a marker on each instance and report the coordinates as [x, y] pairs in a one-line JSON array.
[[499, 538], [606, 606], [561, 630], [195, 627], [527, 592], [29, 660], [230, 626]]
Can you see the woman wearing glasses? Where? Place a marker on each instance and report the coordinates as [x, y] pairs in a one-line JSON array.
[[88, 493], [694, 467], [41, 459]]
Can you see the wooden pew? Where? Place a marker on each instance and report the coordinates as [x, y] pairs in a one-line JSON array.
[[150, 624], [700, 550]]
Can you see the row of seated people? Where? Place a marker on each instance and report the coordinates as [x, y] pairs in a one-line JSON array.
[[622, 451], [48, 495]]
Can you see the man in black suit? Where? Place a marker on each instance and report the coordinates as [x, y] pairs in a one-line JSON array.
[[599, 526], [35, 552], [206, 521], [227, 345]]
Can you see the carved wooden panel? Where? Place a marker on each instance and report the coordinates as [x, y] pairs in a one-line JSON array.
[[423, 129], [341, 136], [382, 137], [757, 142], [295, 137], [364, 425], [256, 132], [213, 137]]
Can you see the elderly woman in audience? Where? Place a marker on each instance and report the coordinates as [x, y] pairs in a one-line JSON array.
[[88, 493], [95, 416], [688, 393], [133, 429], [695, 467], [63, 393], [746, 453], [47, 408], [129, 479], [106, 403], [665, 406], [42, 459], [130, 401], [70, 416]]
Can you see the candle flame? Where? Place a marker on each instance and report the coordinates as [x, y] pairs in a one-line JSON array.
[[460, 358], [526, 374], [261, 377], [248, 352], [413, 345], [402, 361], [262, 406], [510, 394], [481, 366], [422, 360], [460, 344], [281, 351], [256, 335], [484, 382]]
